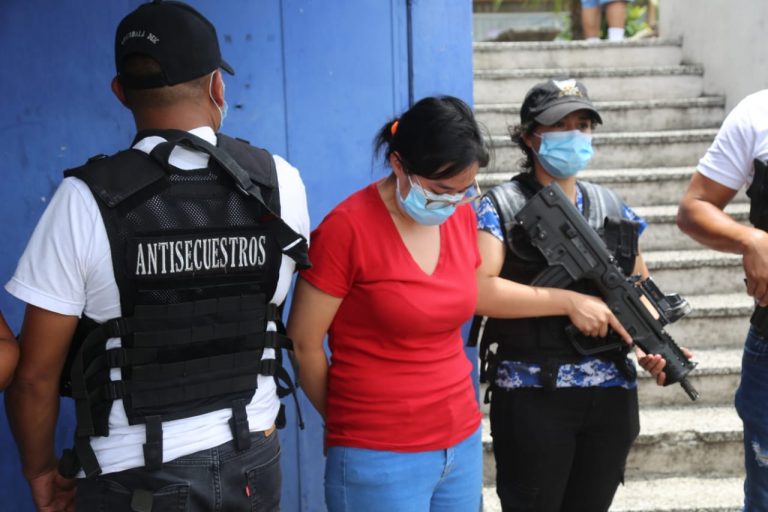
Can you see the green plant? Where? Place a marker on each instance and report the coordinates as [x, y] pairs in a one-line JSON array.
[[636, 19]]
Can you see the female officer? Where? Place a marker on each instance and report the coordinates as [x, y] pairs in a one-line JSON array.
[[392, 282], [562, 423]]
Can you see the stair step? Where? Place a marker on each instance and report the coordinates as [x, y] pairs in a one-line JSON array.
[[692, 494], [680, 495], [654, 186], [716, 321], [715, 378], [663, 233], [686, 440], [697, 271], [603, 83], [669, 148], [560, 54], [624, 116]]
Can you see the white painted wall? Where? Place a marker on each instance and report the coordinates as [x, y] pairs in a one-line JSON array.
[[729, 37]]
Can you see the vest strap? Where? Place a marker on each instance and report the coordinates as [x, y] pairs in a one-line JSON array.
[[241, 432], [153, 448], [86, 457]]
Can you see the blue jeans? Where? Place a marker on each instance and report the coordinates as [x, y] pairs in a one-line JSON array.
[[216, 480], [381, 481], [752, 406]]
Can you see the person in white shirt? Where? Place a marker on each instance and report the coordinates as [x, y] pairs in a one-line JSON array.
[[737, 158], [153, 281]]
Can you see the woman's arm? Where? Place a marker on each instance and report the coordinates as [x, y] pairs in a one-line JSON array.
[[502, 298], [311, 315]]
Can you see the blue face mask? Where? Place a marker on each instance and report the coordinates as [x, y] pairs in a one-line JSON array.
[[563, 154], [224, 109], [424, 206]]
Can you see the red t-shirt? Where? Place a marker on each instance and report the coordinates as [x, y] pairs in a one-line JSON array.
[[399, 379]]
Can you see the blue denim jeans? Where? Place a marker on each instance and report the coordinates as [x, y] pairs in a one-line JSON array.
[[752, 406], [216, 480], [381, 481]]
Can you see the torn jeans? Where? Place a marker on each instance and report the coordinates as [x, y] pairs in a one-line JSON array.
[[752, 406]]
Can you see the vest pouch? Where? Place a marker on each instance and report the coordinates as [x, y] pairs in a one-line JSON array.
[[196, 357]]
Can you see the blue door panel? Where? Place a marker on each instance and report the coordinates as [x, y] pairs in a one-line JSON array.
[[314, 82]]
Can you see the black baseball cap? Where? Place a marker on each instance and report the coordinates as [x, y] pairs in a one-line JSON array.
[[548, 102], [174, 34]]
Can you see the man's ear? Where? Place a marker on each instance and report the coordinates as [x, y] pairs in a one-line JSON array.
[[217, 88], [119, 92]]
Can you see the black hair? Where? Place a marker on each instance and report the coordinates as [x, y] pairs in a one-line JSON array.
[[437, 138], [519, 132], [142, 65]]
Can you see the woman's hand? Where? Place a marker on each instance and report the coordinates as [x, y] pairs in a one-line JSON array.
[[592, 317], [654, 363]]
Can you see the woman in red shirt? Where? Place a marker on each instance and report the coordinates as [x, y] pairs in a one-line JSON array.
[[392, 282]]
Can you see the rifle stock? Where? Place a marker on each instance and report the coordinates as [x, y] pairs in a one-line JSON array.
[[574, 251]]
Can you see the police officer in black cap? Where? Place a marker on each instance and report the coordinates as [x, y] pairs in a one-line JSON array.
[[562, 422], [153, 283]]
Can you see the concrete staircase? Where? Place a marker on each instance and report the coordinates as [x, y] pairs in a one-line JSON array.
[[658, 122]]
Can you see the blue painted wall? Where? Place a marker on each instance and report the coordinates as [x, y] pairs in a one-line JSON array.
[[315, 81]]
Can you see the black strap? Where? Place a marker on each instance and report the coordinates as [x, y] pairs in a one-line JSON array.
[[153, 448], [68, 464], [291, 243], [548, 375], [87, 457], [759, 320], [241, 433]]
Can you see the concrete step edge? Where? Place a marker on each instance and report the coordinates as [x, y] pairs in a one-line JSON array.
[[605, 106], [607, 176], [635, 138], [572, 45], [590, 72], [720, 305], [668, 213], [689, 494], [691, 258]]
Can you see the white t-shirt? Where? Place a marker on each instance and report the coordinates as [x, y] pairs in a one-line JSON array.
[[742, 138], [67, 268]]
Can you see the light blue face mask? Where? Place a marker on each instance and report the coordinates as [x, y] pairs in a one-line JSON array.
[[563, 154], [424, 206]]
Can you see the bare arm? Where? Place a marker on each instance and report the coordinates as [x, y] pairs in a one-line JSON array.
[[502, 298], [9, 353], [312, 312], [701, 216], [32, 404]]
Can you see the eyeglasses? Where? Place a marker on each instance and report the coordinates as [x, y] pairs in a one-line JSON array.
[[436, 201]]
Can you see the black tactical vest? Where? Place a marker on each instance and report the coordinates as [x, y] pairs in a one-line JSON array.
[[758, 217], [196, 257], [543, 340]]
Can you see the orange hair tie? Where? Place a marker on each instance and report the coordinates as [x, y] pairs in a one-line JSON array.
[[393, 128]]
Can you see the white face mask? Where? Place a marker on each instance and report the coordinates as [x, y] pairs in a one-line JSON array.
[[222, 110]]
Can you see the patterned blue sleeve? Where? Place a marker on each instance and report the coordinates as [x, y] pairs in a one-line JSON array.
[[488, 219], [630, 214]]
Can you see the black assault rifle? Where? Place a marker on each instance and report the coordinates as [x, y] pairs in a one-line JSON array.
[[574, 251]]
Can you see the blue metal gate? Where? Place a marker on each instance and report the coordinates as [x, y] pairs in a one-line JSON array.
[[315, 80]]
